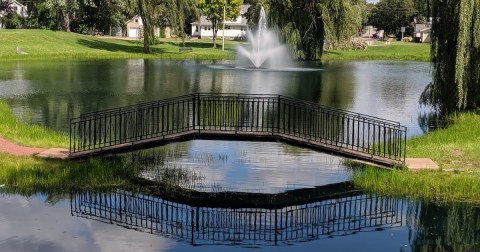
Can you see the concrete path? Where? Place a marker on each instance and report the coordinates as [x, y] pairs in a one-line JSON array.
[[416, 164], [18, 150]]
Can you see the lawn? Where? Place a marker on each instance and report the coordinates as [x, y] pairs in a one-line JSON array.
[[456, 149], [396, 50], [43, 44]]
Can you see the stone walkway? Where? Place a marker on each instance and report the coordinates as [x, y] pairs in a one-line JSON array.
[[416, 164], [18, 150]]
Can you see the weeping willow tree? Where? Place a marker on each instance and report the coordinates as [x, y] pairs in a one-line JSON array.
[[341, 20], [304, 24], [173, 12], [176, 12], [147, 10], [455, 55]]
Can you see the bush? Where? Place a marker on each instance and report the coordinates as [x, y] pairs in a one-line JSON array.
[[12, 21]]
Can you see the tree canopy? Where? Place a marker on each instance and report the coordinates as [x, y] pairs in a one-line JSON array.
[[391, 15], [304, 24]]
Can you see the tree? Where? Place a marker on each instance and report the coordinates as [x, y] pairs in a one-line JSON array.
[[341, 20], [455, 55], [147, 11], [391, 15], [64, 9], [176, 12], [213, 10], [41, 15], [424, 7], [304, 24]]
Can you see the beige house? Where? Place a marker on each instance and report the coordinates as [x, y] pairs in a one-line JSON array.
[[135, 28], [17, 7]]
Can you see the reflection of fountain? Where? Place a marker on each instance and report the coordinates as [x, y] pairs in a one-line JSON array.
[[265, 51]]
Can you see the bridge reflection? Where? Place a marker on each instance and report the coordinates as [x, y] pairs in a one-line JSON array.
[[324, 216]]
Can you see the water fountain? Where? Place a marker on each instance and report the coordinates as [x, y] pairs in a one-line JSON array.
[[264, 50]]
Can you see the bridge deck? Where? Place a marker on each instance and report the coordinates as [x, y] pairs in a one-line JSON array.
[[237, 135], [239, 117]]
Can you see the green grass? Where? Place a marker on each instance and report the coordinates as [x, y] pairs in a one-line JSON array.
[[28, 135], [395, 51], [41, 44], [434, 186], [28, 175], [455, 149]]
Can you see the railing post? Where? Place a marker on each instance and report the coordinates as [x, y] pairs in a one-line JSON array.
[[194, 97], [279, 113], [405, 145], [70, 142]]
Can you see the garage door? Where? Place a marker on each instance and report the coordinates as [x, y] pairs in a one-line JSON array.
[[134, 32]]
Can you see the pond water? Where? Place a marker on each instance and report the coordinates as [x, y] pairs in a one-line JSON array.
[[50, 93], [304, 201]]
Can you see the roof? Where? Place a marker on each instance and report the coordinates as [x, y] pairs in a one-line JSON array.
[[240, 21], [133, 18]]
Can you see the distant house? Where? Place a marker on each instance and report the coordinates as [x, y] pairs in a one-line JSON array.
[[368, 31], [17, 7], [233, 28], [423, 33], [135, 28]]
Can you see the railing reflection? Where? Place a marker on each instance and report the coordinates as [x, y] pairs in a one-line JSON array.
[[203, 225]]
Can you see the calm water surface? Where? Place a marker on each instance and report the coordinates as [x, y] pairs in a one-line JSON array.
[[49, 93]]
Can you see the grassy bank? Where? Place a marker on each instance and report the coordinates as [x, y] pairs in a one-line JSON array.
[[42, 44], [45, 44], [455, 149], [28, 175], [28, 135], [394, 51]]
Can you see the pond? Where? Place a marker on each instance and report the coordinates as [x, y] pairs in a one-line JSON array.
[[294, 198]]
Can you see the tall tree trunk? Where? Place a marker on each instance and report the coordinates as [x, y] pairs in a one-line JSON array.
[[147, 28], [215, 31], [65, 21]]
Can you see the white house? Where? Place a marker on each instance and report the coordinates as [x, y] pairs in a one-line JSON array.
[[233, 28], [135, 28], [17, 7], [423, 32]]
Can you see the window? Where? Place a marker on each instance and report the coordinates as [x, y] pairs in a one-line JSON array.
[[136, 20]]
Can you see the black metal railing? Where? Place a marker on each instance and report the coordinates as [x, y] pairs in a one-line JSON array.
[[203, 225], [236, 114]]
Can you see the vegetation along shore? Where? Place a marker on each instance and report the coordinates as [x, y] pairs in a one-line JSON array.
[[46, 44]]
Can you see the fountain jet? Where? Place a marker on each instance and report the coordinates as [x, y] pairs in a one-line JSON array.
[[264, 50]]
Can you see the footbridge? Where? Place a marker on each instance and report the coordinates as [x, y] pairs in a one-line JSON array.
[[239, 117]]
